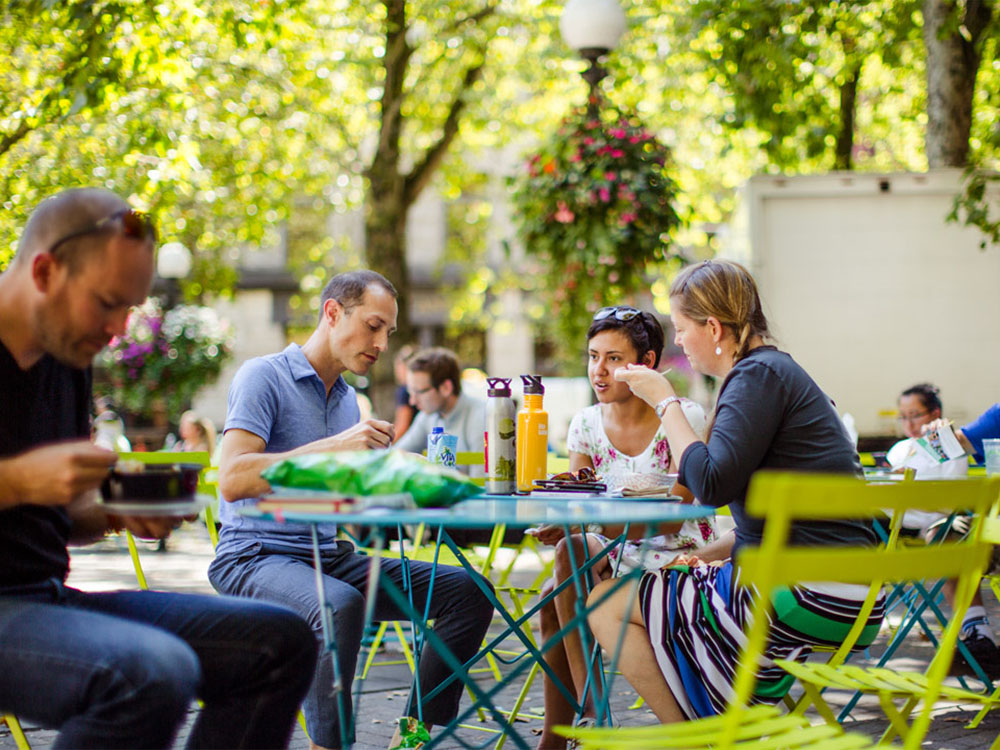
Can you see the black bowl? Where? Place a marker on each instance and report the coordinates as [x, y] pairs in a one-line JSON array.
[[156, 482]]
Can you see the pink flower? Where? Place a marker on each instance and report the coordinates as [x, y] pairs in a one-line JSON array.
[[618, 132], [575, 157], [610, 176], [617, 153], [588, 141], [626, 218], [612, 454], [597, 462], [662, 452], [563, 215], [634, 139], [605, 194]]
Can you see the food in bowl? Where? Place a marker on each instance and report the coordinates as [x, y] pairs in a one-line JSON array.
[[152, 483]]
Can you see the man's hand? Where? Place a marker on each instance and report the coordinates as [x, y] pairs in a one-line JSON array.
[[548, 533], [158, 527], [372, 433], [53, 474]]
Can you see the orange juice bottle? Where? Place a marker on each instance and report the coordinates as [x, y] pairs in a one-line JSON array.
[[532, 434]]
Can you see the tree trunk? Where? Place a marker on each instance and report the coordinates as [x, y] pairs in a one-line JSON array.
[[391, 192], [952, 63], [385, 209], [848, 106]]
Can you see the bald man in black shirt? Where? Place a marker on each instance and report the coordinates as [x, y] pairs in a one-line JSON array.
[[115, 669]]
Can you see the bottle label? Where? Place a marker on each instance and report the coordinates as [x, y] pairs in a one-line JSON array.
[[543, 429]]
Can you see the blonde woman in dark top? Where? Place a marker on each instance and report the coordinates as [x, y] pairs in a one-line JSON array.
[[769, 414]]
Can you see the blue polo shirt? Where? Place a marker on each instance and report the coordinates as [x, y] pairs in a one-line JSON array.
[[282, 400]]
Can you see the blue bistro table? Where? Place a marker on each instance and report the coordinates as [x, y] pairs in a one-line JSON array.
[[487, 512]]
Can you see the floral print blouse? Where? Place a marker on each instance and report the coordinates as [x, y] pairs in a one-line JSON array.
[[587, 436]]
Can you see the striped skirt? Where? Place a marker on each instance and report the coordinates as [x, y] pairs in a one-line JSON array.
[[696, 619]]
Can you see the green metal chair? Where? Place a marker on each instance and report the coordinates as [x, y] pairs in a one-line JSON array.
[[780, 498]]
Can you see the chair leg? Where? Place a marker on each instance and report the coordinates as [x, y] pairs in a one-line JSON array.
[[17, 732], [521, 697], [136, 563]]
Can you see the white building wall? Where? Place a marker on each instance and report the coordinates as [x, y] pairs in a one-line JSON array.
[[871, 290]]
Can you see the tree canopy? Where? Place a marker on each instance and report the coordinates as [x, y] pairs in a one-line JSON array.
[[243, 125]]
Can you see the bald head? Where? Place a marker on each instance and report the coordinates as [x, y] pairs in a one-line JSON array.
[[71, 212]]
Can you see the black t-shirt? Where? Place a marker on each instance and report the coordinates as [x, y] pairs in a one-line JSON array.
[[45, 404], [771, 415]]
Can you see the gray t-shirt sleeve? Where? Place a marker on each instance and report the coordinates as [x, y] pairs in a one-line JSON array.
[[475, 426], [253, 399], [414, 439]]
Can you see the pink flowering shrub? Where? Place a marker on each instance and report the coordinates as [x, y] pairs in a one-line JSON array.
[[164, 356], [596, 206]]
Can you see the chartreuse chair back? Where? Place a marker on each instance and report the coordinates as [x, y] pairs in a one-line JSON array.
[[780, 499]]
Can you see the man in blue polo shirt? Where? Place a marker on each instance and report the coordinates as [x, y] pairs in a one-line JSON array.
[[296, 402]]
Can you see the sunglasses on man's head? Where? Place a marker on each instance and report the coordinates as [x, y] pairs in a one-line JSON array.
[[622, 313], [134, 225]]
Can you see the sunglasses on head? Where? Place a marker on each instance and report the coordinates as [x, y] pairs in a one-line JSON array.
[[133, 224], [622, 313]]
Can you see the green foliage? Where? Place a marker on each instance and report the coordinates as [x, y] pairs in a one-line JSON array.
[[785, 65], [978, 205], [596, 207], [172, 356]]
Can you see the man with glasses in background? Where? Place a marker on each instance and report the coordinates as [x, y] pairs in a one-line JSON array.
[[114, 669], [434, 381]]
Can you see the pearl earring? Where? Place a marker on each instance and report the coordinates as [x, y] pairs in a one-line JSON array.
[[718, 351]]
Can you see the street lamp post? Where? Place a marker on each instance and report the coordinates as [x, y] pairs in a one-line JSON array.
[[592, 28], [173, 262]]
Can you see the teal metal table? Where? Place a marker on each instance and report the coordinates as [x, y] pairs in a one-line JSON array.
[[517, 511]]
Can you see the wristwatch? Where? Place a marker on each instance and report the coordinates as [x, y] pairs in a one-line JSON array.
[[661, 407]]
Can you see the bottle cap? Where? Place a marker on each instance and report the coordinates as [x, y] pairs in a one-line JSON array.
[[501, 390], [436, 430], [532, 384]]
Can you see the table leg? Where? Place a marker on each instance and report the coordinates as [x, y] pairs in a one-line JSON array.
[[329, 638]]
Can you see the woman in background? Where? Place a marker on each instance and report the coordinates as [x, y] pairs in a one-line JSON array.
[[197, 433], [920, 409]]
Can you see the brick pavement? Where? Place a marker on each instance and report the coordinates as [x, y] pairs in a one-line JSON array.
[[182, 568]]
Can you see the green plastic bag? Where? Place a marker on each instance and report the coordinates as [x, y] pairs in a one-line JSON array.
[[364, 473]]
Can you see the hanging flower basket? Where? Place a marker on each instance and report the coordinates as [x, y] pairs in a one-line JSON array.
[[164, 358], [596, 207]]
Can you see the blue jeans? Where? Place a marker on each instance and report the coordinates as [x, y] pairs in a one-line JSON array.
[[284, 575], [120, 669]]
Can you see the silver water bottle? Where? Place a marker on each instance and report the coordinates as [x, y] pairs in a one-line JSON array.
[[501, 447]]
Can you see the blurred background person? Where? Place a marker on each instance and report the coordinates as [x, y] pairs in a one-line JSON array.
[[920, 409], [109, 429], [434, 383], [197, 433], [405, 412]]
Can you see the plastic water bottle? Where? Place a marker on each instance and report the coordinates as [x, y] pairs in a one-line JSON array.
[[441, 447], [501, 448], [532, 434]]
